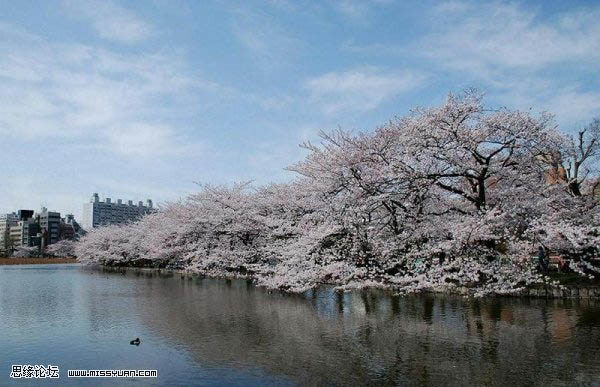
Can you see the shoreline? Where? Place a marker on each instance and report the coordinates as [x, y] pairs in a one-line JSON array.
[[36, 261], [546, 291]]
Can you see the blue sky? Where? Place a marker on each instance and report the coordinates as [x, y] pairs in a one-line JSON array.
[[140, 99]]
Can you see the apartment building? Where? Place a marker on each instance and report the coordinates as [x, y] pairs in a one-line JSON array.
[[50, 226], [6, 222], [100, 213], [24, 233], [23, 229]]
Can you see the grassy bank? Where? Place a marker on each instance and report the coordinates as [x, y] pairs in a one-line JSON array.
[[34, 261]]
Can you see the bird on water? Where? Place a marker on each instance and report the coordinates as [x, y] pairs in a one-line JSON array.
[[135, 342]]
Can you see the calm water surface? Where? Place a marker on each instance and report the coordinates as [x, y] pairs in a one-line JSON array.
[[218, 332]]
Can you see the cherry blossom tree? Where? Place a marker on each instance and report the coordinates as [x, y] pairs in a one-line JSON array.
[[450, 197], [579, 155]]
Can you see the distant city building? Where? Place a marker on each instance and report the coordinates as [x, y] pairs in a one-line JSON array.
[[6, 222], [555, 175], [69, 228], [50, 226], [101, 213], [22, 230], [25, 214], [24, 233], [66, 231], [25, 228]]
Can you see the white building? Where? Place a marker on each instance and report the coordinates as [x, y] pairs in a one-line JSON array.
[[100, 213], [24, 232], [6, 222]]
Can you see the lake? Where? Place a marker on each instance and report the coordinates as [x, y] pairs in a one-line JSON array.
[[217, 332]]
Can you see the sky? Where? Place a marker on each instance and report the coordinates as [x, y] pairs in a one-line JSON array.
[[146, 99]]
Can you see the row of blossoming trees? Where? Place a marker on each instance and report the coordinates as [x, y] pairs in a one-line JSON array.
[[449, 196]]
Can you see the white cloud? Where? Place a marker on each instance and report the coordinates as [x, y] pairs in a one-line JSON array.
[[575, 106], [145, 140], [524, 57], [528, 58], [270, 45], [485, 38], [110, 20], [83, 93], [450, 6], [571, 106], [285, 5], [360, 89], [358, 11], [488, 36]]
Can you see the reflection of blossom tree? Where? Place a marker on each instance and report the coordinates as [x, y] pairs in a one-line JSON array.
[[368, 337], [454, 195]]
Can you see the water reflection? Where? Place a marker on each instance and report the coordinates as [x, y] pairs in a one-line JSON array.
[[215, 332], [326, 337]]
